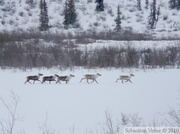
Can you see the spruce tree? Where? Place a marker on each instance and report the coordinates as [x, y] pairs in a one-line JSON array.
[[41, 15], [147, 4], [100, 5], [30, 2], [72, 12], [139, 5], [153, 17], [118, 20], [66, 19], [69, 14], [44, 19], [1, 2], [172, 4], [178, 4]]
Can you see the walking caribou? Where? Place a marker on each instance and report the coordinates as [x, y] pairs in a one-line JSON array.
[[33, 78], [125, 77], [92, 77], [63, 78], [49, 78]]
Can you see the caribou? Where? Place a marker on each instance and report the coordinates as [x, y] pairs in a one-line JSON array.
[[49, 78], [33, 78], [125, 77], [63, 78], [92, 77]]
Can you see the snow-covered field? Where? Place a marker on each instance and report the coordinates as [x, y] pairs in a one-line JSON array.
[[80, 107]]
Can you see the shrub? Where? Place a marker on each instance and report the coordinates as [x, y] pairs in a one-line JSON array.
[[165, 17]]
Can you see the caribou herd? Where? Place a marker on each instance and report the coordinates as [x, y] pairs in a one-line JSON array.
[[58, 79]]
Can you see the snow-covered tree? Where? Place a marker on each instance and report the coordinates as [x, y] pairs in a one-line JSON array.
[[118, 20], [100, 5], [44, 19], [139, 5], [70, 15], [1, 2], [178, 4], [147, 4], [31, 3], [172, 4], [154, 14]]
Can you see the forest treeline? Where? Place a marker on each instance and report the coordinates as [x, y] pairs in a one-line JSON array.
[[35, 49], [32, 54]]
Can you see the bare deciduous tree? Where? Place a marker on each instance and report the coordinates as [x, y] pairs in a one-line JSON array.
[[135, 120], [124, 119], [110, 126], [45, 128], [175, 116], [7, 125]]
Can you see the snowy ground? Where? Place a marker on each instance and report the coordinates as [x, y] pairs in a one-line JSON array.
[[134, 44], [19, 15], [80, 107]]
